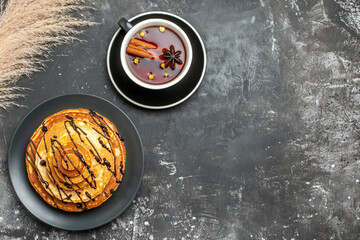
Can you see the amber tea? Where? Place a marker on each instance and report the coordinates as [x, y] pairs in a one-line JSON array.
[[156, 55]]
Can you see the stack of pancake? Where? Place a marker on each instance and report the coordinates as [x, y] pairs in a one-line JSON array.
[[76, 159]]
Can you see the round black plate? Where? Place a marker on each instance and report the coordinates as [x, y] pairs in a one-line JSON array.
[[116, 204], [157, 99]]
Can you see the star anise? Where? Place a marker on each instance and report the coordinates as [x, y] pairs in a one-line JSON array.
[[171, 56]]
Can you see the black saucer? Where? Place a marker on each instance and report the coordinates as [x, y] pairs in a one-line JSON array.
[[165, 98]]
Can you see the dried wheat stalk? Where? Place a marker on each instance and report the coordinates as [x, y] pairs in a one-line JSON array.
[[28, 31]]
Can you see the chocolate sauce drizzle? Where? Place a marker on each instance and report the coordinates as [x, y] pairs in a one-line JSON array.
[[121, 137], [104, 145], [56, 147], [92, 185], [44, 130], [104, 127], [89, 196], [32, 163]]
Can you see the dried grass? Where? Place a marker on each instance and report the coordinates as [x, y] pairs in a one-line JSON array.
[[29, 29]]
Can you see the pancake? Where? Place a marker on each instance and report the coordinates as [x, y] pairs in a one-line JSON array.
[[76, 159]]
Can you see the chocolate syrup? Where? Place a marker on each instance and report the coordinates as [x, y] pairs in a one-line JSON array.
[[100, 133], [32, 164], [43, 128], [120, 137], [103, 145], [88, 195]]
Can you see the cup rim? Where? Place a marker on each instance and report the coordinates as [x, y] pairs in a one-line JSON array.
[[173, 26]]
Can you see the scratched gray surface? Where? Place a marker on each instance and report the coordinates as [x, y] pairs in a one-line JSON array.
[[267, 148]]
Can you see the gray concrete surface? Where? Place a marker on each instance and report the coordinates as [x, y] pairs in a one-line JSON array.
[[267, 148]]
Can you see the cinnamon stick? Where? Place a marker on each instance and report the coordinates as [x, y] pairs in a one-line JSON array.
[[138, 51], [142, 43], [138, 48]]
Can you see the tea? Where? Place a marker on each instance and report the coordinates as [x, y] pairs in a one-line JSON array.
[[156, 55]]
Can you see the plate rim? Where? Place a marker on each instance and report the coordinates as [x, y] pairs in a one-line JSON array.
[[93, 226], [149, 106]]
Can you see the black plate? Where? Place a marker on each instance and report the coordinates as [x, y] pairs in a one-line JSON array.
[[116, 204], [165, 98]]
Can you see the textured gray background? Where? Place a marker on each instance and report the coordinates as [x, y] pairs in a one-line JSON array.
[[267, 148]]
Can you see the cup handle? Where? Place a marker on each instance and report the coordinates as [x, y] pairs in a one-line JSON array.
[[125, 24]]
